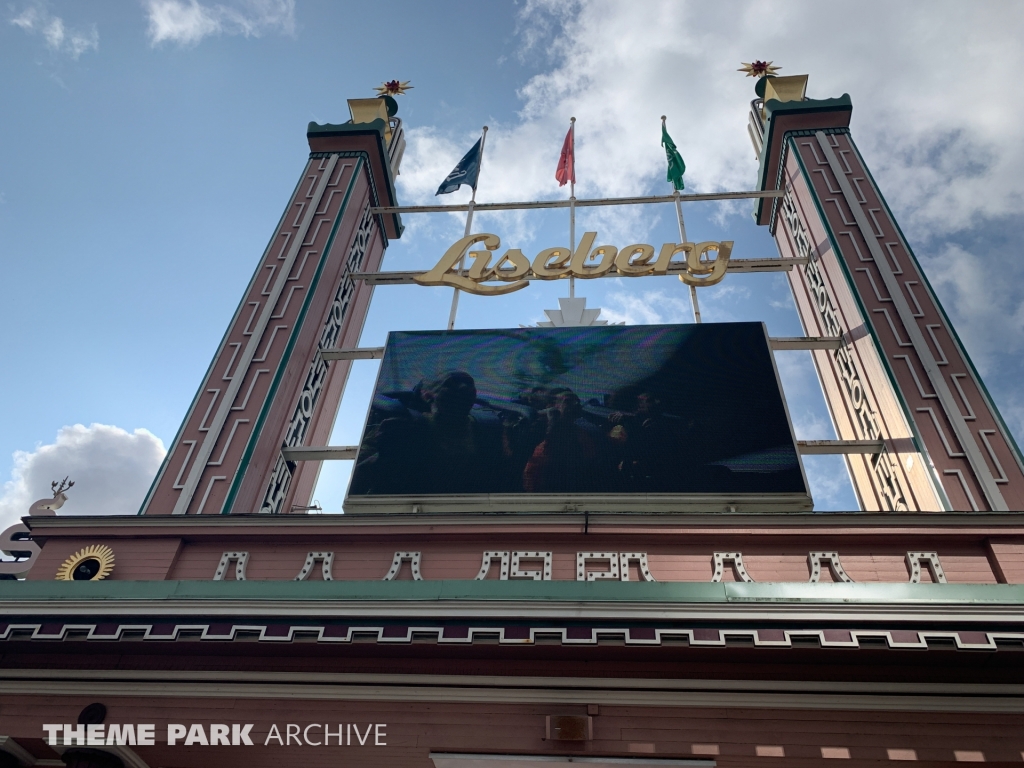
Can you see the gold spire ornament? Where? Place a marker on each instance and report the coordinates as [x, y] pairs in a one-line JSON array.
[[393, 88], [759, 69], [89, 564]]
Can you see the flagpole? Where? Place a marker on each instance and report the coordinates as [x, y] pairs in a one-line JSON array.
[[572, 207], [682, 239], [469, 225]]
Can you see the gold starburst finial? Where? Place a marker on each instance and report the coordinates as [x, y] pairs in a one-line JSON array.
[[393, 88], [758, 68]]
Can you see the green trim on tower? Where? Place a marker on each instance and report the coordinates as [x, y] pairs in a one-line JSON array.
[[790, 145], [220, 348], [376, 128], [257, 429], [1011, 441]]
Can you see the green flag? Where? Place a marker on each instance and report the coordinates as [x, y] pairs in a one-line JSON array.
[[676, 166]]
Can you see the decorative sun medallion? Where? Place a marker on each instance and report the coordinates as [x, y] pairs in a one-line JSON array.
[[89, 564], [393, 88], [759, 69]]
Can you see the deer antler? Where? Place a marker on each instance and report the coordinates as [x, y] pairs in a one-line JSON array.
[[63, 485]]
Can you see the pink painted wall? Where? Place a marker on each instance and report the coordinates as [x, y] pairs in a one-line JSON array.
[[365, 552], [730, 735]]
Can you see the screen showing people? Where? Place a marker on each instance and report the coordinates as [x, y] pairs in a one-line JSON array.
[[663, 409]]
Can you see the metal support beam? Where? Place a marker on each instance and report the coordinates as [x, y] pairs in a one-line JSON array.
[[322, 453], [355, 353], [579, 203], [819, 447], [806, 342], [735, 265]]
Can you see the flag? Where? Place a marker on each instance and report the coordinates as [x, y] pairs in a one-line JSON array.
[[466, 172], [676, 166], [566, 170]]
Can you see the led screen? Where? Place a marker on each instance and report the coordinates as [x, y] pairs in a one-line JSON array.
[[629, 411]]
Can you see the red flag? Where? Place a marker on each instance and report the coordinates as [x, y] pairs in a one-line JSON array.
[[566, 170]]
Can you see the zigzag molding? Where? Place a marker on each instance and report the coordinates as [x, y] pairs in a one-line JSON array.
[[898, 639]]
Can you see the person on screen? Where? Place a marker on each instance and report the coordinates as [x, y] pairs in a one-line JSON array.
[[521, 436], [571, 455], [648, 447], [452, 435], [440, 451]]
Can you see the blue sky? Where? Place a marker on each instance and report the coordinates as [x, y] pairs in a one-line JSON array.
[[148, 148]]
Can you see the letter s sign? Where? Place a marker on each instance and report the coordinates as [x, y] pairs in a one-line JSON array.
[[16, 542]]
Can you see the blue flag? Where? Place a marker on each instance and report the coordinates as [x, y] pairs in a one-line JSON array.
[[466, 172]]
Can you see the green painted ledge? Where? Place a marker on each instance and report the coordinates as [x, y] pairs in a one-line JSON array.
[[543, 591]]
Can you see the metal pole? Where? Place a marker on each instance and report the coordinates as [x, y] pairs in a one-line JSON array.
[[768, 194], [469, 224], [682, 239], [679, 215], [572, 207]]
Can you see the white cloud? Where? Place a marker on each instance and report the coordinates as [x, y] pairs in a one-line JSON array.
[[830, 484], [645, 308], [112, 470], [943, 144], [59, 37], [982, 292], [186, 22]]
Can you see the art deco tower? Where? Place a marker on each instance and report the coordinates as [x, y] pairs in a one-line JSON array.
[[269, 388], [900, 374]]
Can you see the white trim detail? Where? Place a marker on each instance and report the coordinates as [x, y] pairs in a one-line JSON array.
[[738, 568], [241, 560], [992, 454], [227, 445], [963, 484], [396, 565], [941, 360], [892, 325], [215, 393], [993, 495], [488, 558], [971, 416], [327, 559], [209, 487], [248, 355], [931, 560], [917, 381], [871, 280], [625, 558], [177, 481], [517, 573], [913, 296], [248, 392], [613, 566], [814, 560], [945, 441]]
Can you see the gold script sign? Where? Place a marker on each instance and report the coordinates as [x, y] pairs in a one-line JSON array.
[[514, 269]]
